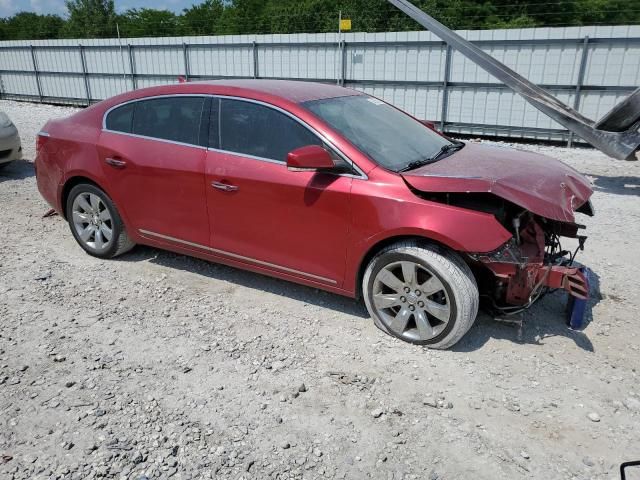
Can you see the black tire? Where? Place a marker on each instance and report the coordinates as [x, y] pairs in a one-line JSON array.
[[458, 292], [119, 242]]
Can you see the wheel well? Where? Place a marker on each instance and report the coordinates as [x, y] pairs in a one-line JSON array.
[[383, 244], [72, 182]]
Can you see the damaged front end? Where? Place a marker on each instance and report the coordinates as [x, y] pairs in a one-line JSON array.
[[532, 263], [534, 197]]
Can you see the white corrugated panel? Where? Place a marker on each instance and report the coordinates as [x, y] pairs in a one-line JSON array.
[[105, 87], [298, 62], [422, 103], [67, 86], [220, 61], [19, 84], [498, 106], [16, 59], [397, 73], [107, 60], [163, 61], [547, 64], [613, 65], [59, 60]]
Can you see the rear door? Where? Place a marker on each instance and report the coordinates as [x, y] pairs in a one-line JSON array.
[[260, 212], [153, 154]]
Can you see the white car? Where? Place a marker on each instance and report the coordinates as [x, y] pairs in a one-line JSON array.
[[10, 147]]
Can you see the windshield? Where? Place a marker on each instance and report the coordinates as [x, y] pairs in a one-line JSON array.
[[388, 136]]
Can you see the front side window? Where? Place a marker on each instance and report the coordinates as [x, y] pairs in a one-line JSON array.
[[171, 118], [252, 129], [388, 136]]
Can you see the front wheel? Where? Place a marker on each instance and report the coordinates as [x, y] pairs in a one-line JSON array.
[[421, 293], [95, 222]]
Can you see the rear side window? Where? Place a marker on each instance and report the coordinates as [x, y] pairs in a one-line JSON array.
[[172, 118], [252, 129], [120, 119]]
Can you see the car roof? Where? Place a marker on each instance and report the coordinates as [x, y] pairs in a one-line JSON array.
[[287, 90], [270, 91], [292, 90]]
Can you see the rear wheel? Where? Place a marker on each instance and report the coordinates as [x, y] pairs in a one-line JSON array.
[[95, 222], [421, 293]]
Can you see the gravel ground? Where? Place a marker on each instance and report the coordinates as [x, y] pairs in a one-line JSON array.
[[157, 365]]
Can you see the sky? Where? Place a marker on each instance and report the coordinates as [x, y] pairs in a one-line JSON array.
[[10, 7]]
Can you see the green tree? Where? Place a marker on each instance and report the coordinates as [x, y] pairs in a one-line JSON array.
[[244, 17], [97, 18], [202, 19], [31, 26], [147, 22], [90, 19]]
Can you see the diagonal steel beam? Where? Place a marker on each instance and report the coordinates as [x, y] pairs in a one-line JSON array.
[[617, 134]]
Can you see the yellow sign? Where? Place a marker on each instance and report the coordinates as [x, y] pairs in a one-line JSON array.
[[345, 25]]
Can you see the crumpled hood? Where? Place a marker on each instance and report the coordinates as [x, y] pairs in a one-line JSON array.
[[543, 185]]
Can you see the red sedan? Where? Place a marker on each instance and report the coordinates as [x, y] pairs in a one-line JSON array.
[[319, 185]]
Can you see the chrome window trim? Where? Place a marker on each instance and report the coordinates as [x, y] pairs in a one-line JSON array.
[[135, 135], [236, 256], [283, 164], [141, 99], [359, 175], [246, 155]]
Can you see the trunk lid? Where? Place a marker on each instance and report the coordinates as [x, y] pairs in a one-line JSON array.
[[543, 185]]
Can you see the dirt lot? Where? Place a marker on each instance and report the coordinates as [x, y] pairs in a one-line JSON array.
[[157, 365]]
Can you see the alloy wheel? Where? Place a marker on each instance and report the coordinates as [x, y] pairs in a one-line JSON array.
[[92, 221], [411, 300]]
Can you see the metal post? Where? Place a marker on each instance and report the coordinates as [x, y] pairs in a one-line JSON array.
[[445, 88], [256, 72], [580, 81], [132, 67], [85, 74], [343, 68], [185, 55], [35, 71], [339, 44]]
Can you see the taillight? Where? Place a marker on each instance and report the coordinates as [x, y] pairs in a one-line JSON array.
[[41, 140]]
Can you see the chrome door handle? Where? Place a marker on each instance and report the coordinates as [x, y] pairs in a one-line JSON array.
[[225, 187], [114, 162]]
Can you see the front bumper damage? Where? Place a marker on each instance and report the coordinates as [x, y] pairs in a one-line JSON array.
[[523, 270]]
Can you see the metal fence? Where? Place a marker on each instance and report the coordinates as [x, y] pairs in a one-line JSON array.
[[590, 68]]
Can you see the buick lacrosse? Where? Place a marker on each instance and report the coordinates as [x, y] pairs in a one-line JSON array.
[[323, 186]]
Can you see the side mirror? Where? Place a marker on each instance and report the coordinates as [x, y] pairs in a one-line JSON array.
[[311, 157]]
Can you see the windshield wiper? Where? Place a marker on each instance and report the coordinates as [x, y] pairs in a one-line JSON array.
[[416, 164], [445, 149]]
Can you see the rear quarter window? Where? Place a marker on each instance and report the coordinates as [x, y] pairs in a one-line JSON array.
[[120, 119]]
